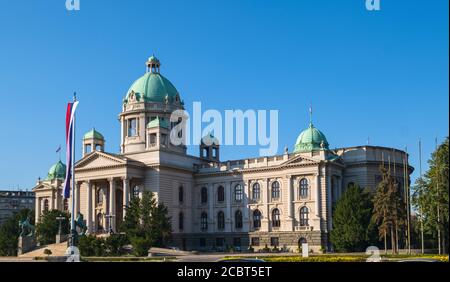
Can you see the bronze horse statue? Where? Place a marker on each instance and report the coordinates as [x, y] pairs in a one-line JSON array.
[[27, 229]]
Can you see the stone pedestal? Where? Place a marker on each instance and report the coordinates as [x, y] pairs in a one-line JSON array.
[[26, 244], [61, 238]]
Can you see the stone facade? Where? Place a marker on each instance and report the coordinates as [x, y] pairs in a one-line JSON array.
[[280, 200]]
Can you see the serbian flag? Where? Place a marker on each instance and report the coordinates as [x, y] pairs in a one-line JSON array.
[[70, 123]]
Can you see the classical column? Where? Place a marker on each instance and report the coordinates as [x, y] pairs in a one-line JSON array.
[[246, 200], [77, 198], [38, 209], [112, 203], [317, 196], [89, 207], [228, 198], [328, 203], [126, 194], [211, 206], [52, 200], [265, 200], [290, 221]]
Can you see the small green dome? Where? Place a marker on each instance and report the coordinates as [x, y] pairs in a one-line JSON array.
[[311, 139], [157, 122], [57, 171], [93, 134], [153, 59]]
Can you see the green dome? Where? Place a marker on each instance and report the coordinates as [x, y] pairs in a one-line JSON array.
[[57, 171], [153, 87], [157, 122], [311, 139], [93, 134]]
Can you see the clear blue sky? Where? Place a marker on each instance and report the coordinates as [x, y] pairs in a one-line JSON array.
[[378, 74]]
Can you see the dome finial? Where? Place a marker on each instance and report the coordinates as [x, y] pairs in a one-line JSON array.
[[310, 114], [153, 64]]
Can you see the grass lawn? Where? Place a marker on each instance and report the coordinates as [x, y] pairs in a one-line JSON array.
[[344, 258]]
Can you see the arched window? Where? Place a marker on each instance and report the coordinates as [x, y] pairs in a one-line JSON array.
[[304, 216], [220, 194], [303, 188], [180, 221], [136, 191], [276, 222], [46, 205], [256, 219], [275, 190], [66, 204], [204, 221], [204, 195], [220, 220], [256, 191], [180, 194], [238, 193], [238, 219]]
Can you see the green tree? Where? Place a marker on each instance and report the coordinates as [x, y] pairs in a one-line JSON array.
[[48, 226], [430, 197], [352, 221], [10, 231], [146, 223], [389, 212]]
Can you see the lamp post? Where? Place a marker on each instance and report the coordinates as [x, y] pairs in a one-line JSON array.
[[60, 219]]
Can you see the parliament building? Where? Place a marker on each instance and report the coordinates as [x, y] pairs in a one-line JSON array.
[[280, 200]]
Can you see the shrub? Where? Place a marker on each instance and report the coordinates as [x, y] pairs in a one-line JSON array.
[[91, 246], [141, 245], [47, 252], [114, 244]]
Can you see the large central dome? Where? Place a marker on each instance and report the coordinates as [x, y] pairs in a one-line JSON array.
[[152, 86]]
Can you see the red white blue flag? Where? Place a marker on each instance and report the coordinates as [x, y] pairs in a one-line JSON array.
[[70, 120]]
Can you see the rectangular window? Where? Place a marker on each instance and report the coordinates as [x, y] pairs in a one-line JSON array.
[[255, 241], [237, 242], [274, 241], [132, 127], [202, 242]]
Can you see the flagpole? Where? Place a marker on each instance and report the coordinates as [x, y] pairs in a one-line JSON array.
[[420, 204], [72, 222]]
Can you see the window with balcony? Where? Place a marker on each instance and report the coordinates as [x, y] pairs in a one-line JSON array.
[[276, 221], [304, 214]]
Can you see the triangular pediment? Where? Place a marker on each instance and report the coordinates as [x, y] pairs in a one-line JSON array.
[[299, 160], [98, 159]]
